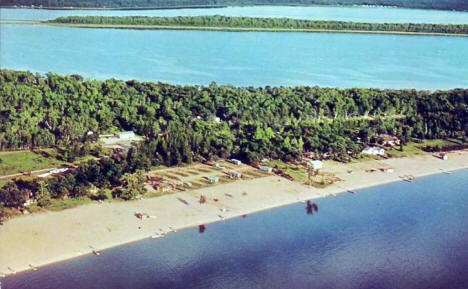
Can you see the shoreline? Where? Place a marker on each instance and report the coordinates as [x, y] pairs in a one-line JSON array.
[[241, 29], [281, 193], [227, 6], [120, 8]]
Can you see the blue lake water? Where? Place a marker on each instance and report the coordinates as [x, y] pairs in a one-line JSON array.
[[240, 58], [355, 14], [400, 235]]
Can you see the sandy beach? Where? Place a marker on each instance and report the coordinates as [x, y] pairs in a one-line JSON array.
[[44, 238]]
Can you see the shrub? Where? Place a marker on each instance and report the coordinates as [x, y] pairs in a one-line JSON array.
[[125, 194], [44, 200]]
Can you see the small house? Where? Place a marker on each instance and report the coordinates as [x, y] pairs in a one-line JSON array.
[[234, 174], [266, 169], [53, 172], [125, 135], [213, 179], [374, 151], [315, 164], [236, 162]]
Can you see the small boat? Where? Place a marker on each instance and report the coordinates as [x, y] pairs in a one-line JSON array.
[[96, 252], [156, 236], [32, 267], [448, 173], [12, 270]]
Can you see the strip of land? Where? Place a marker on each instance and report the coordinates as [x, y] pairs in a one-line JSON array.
[[243, 24], [240, 29], [43, 238]]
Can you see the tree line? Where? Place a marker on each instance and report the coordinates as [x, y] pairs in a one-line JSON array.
[[425, 4], [182, 124], [261, 23]]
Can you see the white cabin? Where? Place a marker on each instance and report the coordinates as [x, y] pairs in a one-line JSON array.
[[316, 164], [374, 151]]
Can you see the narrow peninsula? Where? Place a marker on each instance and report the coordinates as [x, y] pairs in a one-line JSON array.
[[225, 23]]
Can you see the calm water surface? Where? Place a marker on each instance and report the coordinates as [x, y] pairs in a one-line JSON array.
[[401, 235], [240, 58], [356, 14]]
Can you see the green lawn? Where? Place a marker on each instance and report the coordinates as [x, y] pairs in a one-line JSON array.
[[410, 149], [17, 162], [58, 205], [440, 142], [416, 148], [298, 173]]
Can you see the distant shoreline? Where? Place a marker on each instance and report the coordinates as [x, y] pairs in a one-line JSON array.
[[240, 29], [122, 8], [219, 6]]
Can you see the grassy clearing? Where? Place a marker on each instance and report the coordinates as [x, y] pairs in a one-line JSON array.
[[441, 142], [297, 172], [25, 161], [411, 149], [58, 205], [416, 148]]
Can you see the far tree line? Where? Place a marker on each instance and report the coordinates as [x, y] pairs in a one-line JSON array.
[[425, 4]]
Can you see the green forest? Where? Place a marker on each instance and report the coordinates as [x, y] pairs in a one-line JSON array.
[[218, 120], [261, 23], [425, 4], [183, 124]]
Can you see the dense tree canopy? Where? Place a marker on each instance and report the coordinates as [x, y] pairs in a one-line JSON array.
[[260, 23], [184, 122], [187, 123], [427, 4]]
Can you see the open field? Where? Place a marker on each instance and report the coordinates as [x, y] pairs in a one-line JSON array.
[[25, 161], [69, 233]]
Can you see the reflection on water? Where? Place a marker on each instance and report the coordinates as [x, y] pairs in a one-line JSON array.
[[311, 208], [201, 229], [417, 240]]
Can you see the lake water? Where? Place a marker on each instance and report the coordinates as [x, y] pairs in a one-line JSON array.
[[239, 58], [355, 14], [400, 235]]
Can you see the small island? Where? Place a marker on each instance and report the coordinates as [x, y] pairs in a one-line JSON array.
[[225, 23]]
